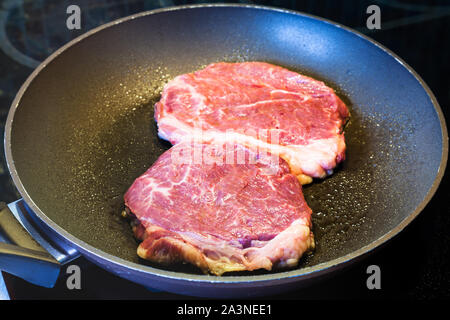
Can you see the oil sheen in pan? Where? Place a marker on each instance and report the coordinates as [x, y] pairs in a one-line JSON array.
[[344, 205]]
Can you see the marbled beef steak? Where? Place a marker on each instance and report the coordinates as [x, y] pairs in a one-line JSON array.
[[220, 207], [258, 105]]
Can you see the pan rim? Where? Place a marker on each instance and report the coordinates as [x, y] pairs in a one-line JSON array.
[[300, 273]]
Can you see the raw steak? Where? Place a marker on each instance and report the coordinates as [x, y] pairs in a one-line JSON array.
[[220, 207], [261, 106]]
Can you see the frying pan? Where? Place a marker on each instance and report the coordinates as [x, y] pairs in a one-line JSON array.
[[81, 129]]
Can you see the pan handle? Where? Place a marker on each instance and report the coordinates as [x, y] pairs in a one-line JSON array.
[[24, 252]]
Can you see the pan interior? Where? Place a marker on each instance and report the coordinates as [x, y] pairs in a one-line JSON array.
[[84, 128]]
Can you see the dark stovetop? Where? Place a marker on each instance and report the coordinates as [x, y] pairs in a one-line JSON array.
[[416, 264]]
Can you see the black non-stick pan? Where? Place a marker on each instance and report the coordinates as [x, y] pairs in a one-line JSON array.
[[81, 129]]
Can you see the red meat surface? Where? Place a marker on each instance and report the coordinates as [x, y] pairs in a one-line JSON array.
[[261, 106], [220, 207]]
